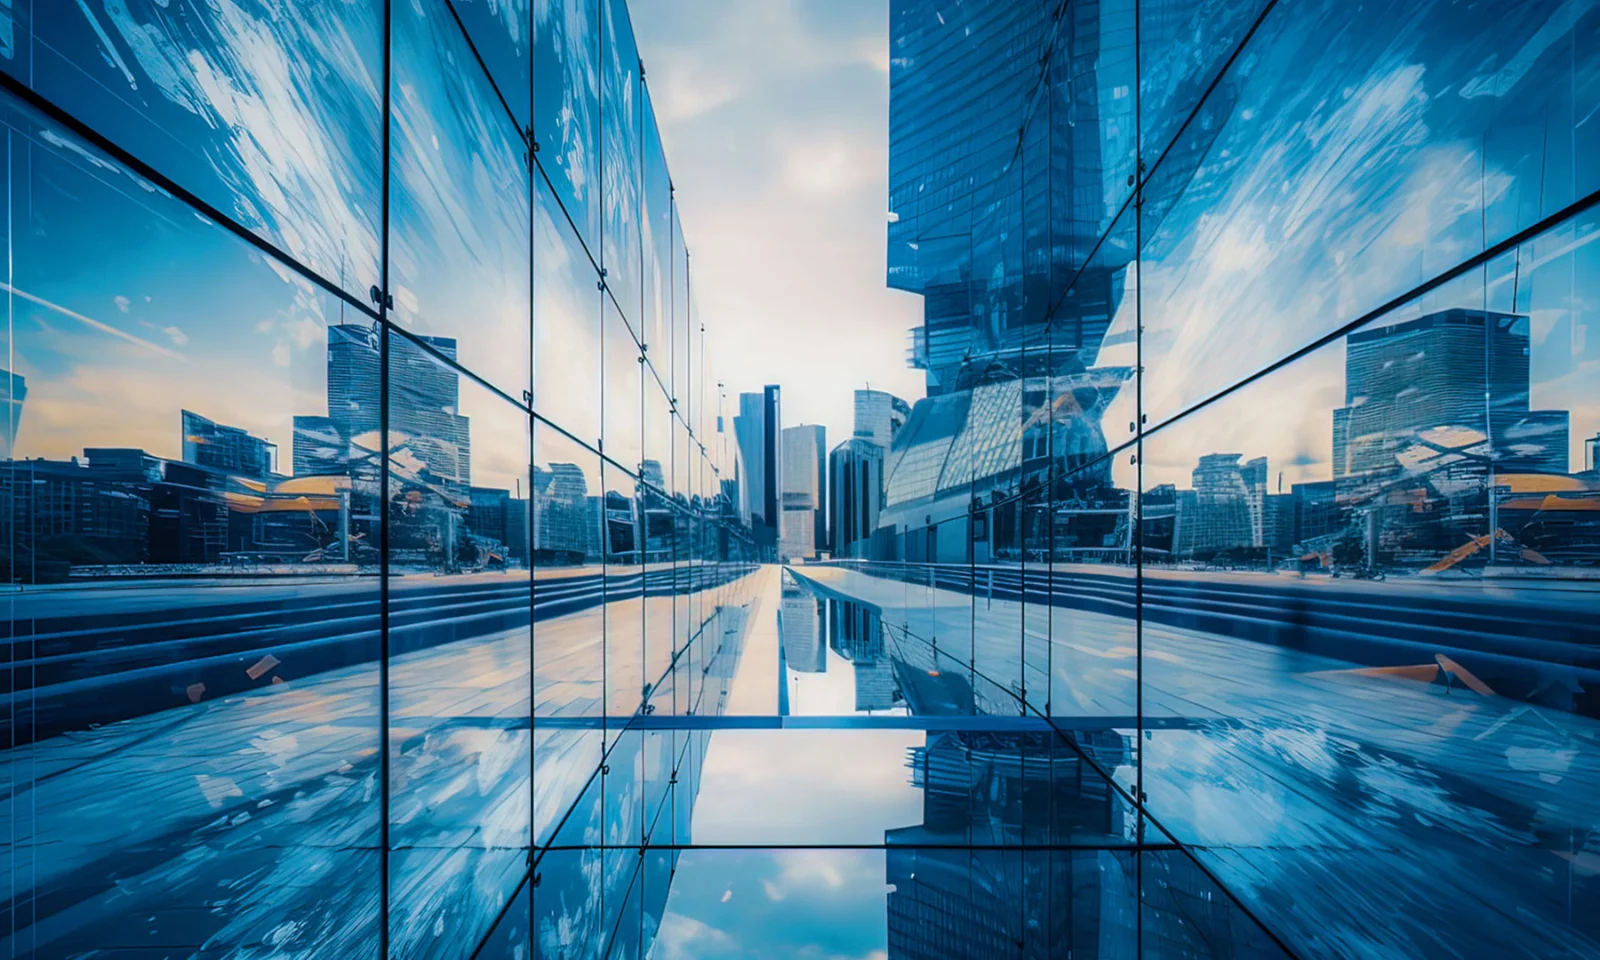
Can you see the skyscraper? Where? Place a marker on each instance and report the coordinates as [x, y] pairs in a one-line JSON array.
[[970, 149], [802, 494], [879, 416], [855, 495], [1216, 515], [756, 430], [1454, 368], [207, 443]]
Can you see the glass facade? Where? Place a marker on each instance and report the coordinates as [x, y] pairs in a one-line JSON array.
[[358, 497], [390, 575], [1256, 460]]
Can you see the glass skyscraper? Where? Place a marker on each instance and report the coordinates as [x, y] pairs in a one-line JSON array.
[[390, 573]]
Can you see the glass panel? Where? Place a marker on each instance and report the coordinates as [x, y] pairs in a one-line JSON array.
[[191, 693], [501, 33], [273, 119], [566, 108], [511, 938], [1378, 598], [656, 228], [623, 400], [568, 908], [621, 167], [680, 316], [567, 311], [460, 259], [1291, 212], [622, 781], [1183, 45], [569, 627], [624, 617], [459, 619]]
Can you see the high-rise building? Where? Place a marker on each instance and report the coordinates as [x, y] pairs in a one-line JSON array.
[[1216, 514], [756, 430], [424, 416], [879, 416], [855, 495], [799, 620], [1454, 368], [207, 443], [566, 519], [355, 380], [802, 491], [964, 82]]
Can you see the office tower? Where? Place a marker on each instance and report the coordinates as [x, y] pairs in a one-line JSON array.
[[16, 390], [855, 495], [355, 381], [319, 448], [1216, 514], [756, 430], [1456, 368], [963, 86], [566, 525], [1254, 475], [799, 619], [879, 416], [207, 443], [802, 496], [821, 536]]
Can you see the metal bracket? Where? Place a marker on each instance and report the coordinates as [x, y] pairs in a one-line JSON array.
[[380, 298]]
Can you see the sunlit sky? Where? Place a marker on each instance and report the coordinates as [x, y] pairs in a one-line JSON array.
[[779, 153]]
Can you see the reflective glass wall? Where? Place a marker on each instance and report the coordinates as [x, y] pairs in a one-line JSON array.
[[362, 481], [1259, 455]]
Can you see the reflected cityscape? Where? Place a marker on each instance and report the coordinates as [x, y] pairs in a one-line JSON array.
[[401, 564]]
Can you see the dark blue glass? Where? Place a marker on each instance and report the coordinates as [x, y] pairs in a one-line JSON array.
[[621, 164], [502, 35], [273, 119], [566, 109]]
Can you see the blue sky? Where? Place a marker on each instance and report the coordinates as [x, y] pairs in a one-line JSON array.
[[775, 118]]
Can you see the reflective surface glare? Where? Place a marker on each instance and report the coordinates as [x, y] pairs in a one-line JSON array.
[[391, 574]]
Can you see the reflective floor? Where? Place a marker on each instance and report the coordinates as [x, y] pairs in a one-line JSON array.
[[850, 803], [850, 789]]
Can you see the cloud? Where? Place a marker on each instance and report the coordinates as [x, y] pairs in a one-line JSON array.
[[685, 938], [778, 149], [176, 335], [122, 303]]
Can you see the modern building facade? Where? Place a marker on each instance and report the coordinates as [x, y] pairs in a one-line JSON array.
[[855, 496], [371, 461], [382, 581], [758, 429], [879, 416], [803, 524], [1236, 424]]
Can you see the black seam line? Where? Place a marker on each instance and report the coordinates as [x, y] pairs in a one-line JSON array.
[[105, 145], [1139, 807], [1461, 269], [385, 329], [483, 65], [947, 845], [1141, 182]]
